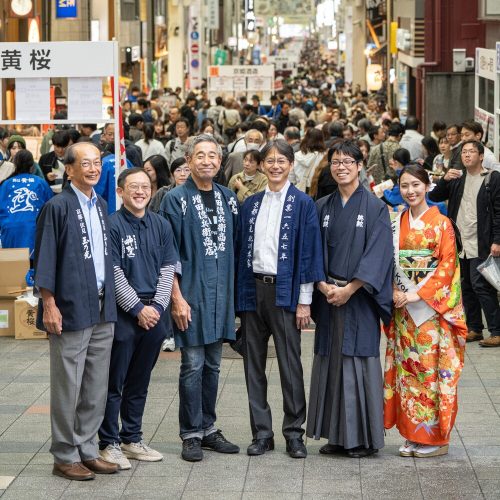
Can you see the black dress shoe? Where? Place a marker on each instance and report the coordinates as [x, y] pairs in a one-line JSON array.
[[260, 446], [296, 448], [217, 442], [361, 452], [332, 449]]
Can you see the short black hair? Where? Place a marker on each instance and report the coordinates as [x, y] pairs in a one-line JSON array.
[[402, 155], [23, 162], [349, 148], [91, 126], [478, 145], [396, 129], [134, 119], [61, 138], [473, 126], [130, 171], [144, 103], [438, 125], [412, 123], [261, 126], [281, 146], [219, 100], [183, 119]]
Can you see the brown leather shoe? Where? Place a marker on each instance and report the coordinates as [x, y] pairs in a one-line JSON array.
[[493, 341], [473, 336], [99, 466], [74, 472]]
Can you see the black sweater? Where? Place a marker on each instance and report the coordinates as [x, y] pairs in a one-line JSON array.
[[488, 208]]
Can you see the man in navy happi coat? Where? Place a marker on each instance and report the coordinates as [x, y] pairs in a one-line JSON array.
[[204, 218], [74, 277], [279, 260]]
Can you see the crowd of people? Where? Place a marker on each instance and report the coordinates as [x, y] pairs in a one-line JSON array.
[[321, 206]]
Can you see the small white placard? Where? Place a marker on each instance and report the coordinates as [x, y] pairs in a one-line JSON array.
[[84, 99], [4, 318], [33, 99]]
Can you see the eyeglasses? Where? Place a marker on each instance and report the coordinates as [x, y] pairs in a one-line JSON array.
[[348, 162], [469, 152], [133, 188], [271, 161], [451, 134], [88, 163]]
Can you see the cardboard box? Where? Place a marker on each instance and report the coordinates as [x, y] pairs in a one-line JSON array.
[[25, 321], [14, 264], [7, 317]]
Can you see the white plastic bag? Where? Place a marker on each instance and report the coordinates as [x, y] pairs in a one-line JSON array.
[[491, 271]]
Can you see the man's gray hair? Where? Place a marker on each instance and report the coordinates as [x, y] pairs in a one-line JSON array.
[[253, 131], [292, 133], [70, 153], [197, 139]]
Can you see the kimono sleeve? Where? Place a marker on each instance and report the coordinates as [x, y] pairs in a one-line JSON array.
[[439, 292], [48, 229], [377, 260]]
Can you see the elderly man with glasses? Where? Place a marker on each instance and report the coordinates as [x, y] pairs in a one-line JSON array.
[[74, 278]]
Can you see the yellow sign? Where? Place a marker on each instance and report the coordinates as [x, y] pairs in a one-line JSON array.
[[394, 35]]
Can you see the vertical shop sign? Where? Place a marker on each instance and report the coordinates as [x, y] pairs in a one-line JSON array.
[[195, 44]]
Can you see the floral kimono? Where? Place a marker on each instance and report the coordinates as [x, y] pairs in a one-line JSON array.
[[426, 339]]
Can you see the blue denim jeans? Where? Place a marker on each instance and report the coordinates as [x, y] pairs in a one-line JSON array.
[[198, 383]]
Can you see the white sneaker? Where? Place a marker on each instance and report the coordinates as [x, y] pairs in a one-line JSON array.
[[168, 345], [141, 451], [114, 455], [408, 448], [425, 451]]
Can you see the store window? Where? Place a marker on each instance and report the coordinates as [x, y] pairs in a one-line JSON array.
[[490, 9], [487, 95], [129, 10]]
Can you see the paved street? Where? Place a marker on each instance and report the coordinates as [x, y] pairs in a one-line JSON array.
[[470, 471]]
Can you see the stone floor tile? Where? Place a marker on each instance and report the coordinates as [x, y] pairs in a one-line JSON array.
[[5, 481]]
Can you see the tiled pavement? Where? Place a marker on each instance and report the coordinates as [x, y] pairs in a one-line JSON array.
[[470, 471]]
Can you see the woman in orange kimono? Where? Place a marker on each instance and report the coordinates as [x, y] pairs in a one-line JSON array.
[[426, 337]]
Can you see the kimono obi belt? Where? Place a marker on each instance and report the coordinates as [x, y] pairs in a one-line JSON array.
[[417, 260]]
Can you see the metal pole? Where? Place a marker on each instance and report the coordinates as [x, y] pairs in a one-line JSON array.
[[389, 55]]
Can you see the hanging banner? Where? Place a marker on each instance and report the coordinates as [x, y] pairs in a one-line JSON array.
[[213, 14], [195, 44]]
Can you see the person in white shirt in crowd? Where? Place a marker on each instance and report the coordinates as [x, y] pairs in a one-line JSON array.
[[149, 145], [176, 147], [412, 139], [307, 159]]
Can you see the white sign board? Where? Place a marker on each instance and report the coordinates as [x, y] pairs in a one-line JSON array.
[[49, 59], [84, 98], [33, 99], [486, 63], [233, 81]]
